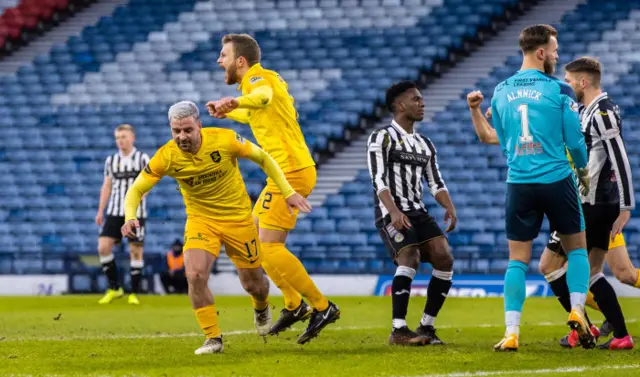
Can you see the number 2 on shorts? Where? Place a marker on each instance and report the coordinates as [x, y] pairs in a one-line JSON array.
[[266, 200]]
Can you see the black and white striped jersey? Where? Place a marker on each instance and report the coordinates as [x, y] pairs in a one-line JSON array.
[[609, 169], [123, 170], [398, 161]]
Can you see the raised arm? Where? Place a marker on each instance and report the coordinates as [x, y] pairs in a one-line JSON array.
[[485, 132], [259, 95]]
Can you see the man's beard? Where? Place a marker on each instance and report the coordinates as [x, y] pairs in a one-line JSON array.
[[579, 96], [549, 67], [231, 75]]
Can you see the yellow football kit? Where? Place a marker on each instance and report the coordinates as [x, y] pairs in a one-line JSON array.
[[217, 204], [618, 240], [267, 107]]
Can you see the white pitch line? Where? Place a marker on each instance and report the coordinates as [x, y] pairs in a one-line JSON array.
[[467, 374], [245, 332], [534, 371]]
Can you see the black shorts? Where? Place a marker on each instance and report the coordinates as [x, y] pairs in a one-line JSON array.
[[423, 228], [599, 219], [111, 229], [527, 203]]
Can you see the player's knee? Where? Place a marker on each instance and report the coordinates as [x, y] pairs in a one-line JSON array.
[[443, 261], [409, 257], [255, 286], [545, 268], [197, 277]]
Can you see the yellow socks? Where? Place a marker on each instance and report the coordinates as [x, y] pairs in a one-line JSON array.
[[591, 302], [259, 305], [637, 284], [278, 257], [208, 320], [292, 299]]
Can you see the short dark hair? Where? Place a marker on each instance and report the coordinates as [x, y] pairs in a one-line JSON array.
[[588, 65], [244, 45], [396, 90], [535, 36]]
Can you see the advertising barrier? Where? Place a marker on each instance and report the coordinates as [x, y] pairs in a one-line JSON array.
[[227, 284]]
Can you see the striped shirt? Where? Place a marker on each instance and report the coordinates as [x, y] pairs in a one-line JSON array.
[[123, 170], [398, 161], [609, 169]]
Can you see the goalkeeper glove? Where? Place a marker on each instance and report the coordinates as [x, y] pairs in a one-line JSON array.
[[583, 179]]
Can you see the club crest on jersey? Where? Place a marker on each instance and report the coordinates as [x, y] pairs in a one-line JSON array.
[[215, 156], [255, 79], [574, 106]]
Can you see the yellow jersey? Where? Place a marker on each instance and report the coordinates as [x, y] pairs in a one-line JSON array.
[[210, 180], [273, 119]]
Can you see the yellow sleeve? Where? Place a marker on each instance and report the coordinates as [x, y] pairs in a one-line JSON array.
[[259, 96], [239, 115], [246, 149], [149, 177]]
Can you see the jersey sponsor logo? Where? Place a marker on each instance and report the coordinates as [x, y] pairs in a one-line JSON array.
[[205, 178], [255, 79], [215, 156], [409, 158]]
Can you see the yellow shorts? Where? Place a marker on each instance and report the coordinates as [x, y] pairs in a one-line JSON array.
[[271, 207], [240, 239], [617, 241]]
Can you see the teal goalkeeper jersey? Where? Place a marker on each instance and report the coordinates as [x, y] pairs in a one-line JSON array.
[[536, 118]]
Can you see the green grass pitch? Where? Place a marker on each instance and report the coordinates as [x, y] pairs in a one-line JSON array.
[[74, 336]]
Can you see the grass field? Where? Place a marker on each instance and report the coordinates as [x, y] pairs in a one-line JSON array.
[[73, 336]]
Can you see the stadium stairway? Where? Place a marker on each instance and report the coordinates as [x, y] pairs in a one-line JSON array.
[[346, 165], [73, 26]]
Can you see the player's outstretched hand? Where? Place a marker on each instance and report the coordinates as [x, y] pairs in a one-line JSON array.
[[226, 105], [399, 220], [451, 219], [129, 228], [620, 222], [474, 99], [212, 107], [298, 201]]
